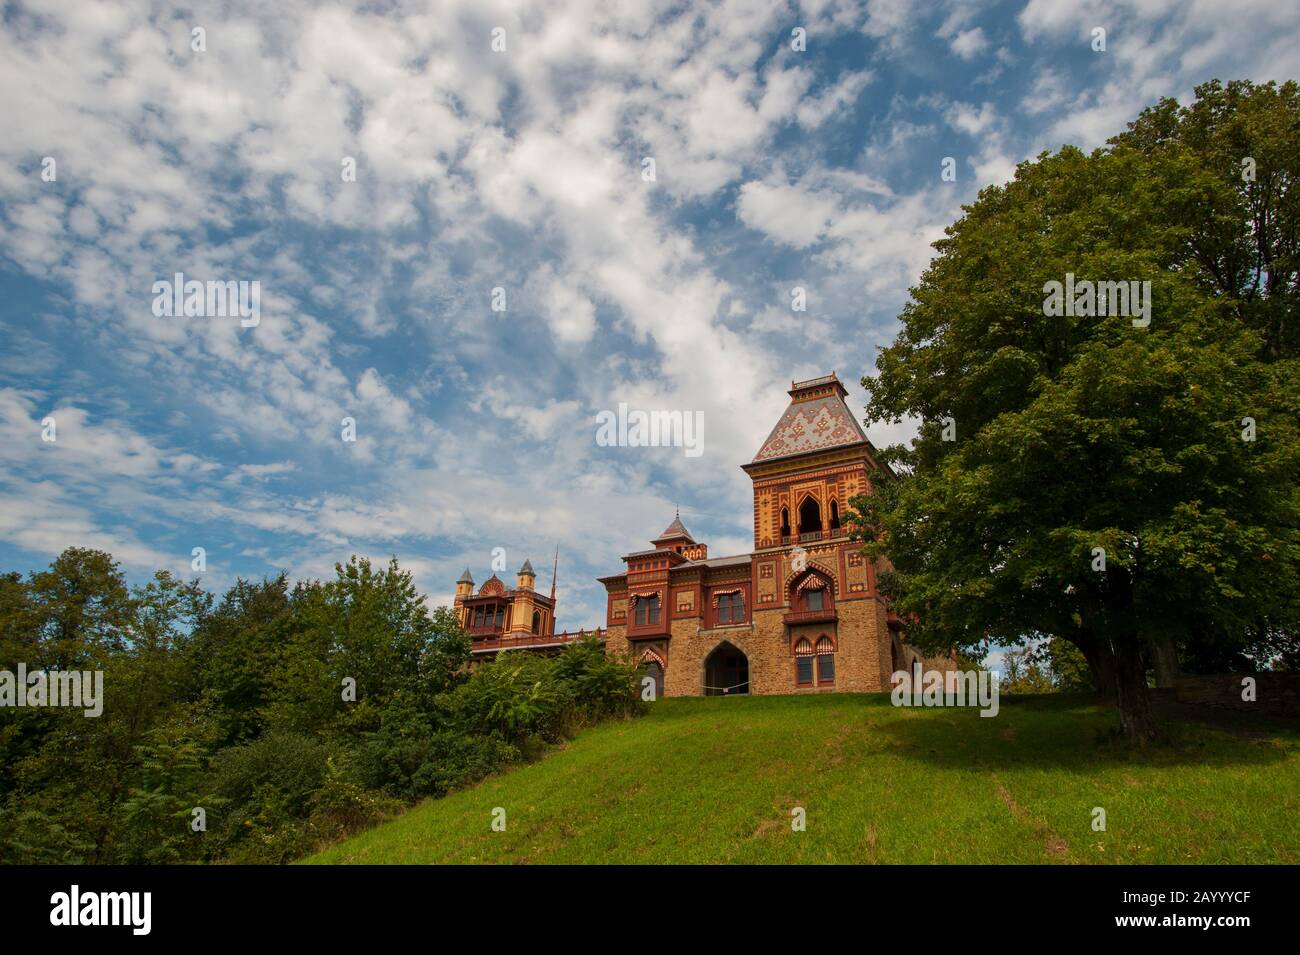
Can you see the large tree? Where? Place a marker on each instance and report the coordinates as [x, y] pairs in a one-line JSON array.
[[1123, 485]]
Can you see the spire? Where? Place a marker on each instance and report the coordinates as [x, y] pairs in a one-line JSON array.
[[527, 569], [555, 568], [466, 578], [675, 530]]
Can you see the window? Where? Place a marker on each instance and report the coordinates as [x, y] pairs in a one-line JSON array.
[[785, 522], [731, 608], [537, 622], [647, 610], [478, 616], [803, 663], [825, 661], [815, 599], [810, 516], [835, 516], [501, 617]]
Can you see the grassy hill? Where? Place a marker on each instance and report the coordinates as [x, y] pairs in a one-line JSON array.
[[714, 780]]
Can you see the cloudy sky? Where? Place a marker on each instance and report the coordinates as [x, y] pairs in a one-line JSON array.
[[477, 169]]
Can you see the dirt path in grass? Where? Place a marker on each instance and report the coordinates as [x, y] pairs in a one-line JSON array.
[[1056, 846]]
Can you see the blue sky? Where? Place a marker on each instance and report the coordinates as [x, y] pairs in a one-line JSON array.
[[477, 170]]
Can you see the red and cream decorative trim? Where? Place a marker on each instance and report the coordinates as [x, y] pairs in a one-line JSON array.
[[650, 653]]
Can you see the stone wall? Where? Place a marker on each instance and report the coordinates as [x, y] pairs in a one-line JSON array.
[[863, 663], [616, 643], [1275, 693], [862, 657]]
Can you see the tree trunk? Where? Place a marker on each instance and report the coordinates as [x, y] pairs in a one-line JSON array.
[[1102, 666], [1134, 704], [1164, 660]]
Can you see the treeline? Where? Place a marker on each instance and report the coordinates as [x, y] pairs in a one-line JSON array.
[[256, 727]]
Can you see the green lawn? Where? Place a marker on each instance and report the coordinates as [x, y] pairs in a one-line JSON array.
[[714, 780]]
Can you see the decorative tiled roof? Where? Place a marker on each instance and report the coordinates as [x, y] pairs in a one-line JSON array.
[[813, 423], [674, 530]]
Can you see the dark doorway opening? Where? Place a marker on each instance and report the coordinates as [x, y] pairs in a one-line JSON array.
[[726, 672], [655, 671]]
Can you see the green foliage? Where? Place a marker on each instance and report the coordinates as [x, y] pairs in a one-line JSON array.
[[1079, 433], [1069, 667], [236, 707], [1024, 673]]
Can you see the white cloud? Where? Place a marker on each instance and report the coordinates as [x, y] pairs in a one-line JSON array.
[[969, 43]]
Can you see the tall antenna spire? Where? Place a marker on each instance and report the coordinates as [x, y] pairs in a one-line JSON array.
[[553, 570]]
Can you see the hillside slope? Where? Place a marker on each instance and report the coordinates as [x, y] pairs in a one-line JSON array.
[[714, 780]]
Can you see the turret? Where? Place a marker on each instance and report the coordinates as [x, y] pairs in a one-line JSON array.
[[465, 586], [526, 576]]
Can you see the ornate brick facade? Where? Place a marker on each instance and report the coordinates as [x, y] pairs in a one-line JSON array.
[[500, 618], [798, 614]]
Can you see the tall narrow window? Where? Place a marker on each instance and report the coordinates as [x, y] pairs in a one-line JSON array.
[[835, 516], [785, 522], [825, 662], [501, 617], [537, 622], [803, 663]]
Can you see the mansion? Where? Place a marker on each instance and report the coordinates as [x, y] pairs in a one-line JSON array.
[[801, 612], [500, 618]]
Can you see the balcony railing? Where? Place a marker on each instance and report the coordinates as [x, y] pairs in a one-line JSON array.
[[823, 535], [492, 644], [795, 617]]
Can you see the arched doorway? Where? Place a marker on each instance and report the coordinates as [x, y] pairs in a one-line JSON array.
[[655, 671], [726, 671]]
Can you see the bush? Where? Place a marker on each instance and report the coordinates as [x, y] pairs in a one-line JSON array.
[[515, 697], [601, 685], [265, 789]]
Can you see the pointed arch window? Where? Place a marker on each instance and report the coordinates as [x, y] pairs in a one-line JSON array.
[[835, 516], [803, 663], [537, 621], [785, 522], [825, 661], [810, 516]]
